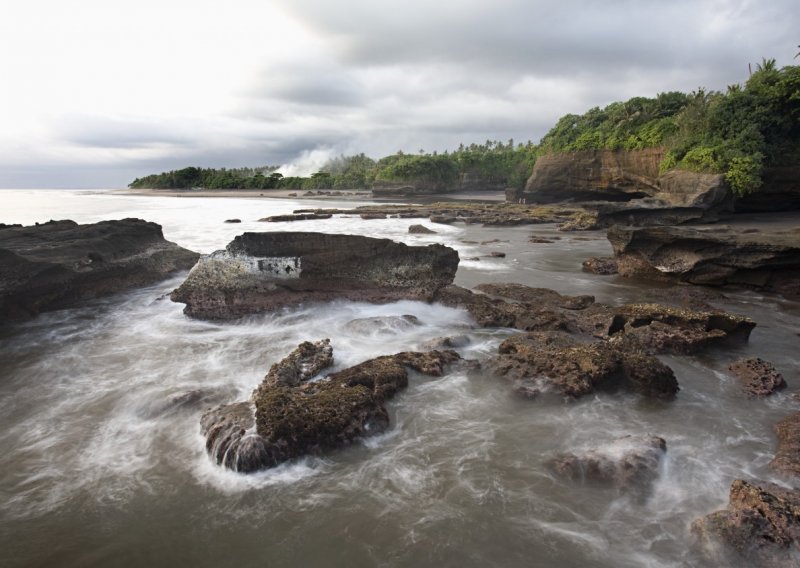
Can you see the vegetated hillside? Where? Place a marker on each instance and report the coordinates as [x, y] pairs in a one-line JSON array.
[[738, 133]]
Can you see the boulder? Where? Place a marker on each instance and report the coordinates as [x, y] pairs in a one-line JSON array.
[[724, 255], [628, 463], [759, 377], [787, 457], [760, 527], [288, 419], [60, 263], [420, 230], [545, 362], [605, 265], [259, 272]]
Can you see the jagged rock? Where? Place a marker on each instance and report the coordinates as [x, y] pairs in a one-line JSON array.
[[57, 264], [546, 362], [302, 364], [296, 217], [761, 526], [760, 377], [768, 259], [421, 230], [287, 419], [605, 265], [382, 324], [657, 328], [787, 457], [628, 463], [259, 272]]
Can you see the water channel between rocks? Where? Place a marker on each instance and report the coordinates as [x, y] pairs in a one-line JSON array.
[[102, 468]]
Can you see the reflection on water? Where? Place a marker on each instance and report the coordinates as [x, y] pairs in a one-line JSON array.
[[104, 463]]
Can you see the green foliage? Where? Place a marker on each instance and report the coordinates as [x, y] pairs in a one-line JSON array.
[[737, 133]]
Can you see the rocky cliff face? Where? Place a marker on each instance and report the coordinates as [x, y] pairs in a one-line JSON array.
[[56, 264], [260, 272], [616, 175]]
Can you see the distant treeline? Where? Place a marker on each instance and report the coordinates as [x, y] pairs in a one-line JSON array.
[[737, 133], [501, 163]]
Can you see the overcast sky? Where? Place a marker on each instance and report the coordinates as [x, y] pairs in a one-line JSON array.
[[94, 93]]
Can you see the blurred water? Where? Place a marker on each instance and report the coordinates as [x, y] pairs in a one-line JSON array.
[[99, 469]]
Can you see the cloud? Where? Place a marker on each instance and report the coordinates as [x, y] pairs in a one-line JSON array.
[[264, 82]]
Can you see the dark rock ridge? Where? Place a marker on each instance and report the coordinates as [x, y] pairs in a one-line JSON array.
[[787, 457], [758, 377], [657, 328], [260, 272], [628, 463], [290, 416], [487, 214], [59, 263], [295, 217], [761, 526], [722, 255], [551, 362]]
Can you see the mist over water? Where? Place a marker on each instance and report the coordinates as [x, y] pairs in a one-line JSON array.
[[104, 464]]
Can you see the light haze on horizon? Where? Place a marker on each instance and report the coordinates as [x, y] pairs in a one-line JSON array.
[[97, 93]]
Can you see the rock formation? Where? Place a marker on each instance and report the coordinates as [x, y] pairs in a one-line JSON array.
[[550, 362], [56, 264], [656, 328], [787, 457], [620, 175], [259, 272], [628, 463], [722, 255], [758, 377], [761, 526], [290, 416]]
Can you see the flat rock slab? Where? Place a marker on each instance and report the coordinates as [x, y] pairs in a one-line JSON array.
[[787, 457], [259, 272], [59, 263], [767, 258]]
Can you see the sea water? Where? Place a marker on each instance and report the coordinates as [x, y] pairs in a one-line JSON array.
[[103, 463]]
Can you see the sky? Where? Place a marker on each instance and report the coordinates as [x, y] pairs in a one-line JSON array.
[[95, 93]]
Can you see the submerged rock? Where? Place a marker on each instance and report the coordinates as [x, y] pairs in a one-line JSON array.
[[545, 362], [382, 324], [420, 230], [290, 416], [787, 457], [760, 526], [260, 272], [296, 217], [767, 259], [628, 463], [760, 377], [57, 264]]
